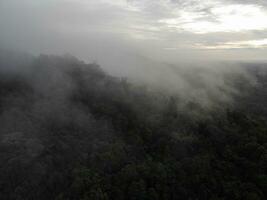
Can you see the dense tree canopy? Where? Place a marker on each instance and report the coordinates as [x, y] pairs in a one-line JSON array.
[[70, 131]]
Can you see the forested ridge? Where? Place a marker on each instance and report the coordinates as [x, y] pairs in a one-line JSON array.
[[68, 130]]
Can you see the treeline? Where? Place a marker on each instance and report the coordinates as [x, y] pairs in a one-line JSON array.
[[70, 131]]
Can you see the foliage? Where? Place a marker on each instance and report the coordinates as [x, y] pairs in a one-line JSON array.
[[70, 131]]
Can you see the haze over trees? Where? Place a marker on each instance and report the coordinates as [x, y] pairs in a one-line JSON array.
[[133, 100], [69, 130]]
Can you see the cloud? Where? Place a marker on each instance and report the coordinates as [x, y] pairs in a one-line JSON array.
[[219, 18], [238, 45], [92, 30]]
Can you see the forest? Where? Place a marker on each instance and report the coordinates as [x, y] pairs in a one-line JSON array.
[[71, 131]]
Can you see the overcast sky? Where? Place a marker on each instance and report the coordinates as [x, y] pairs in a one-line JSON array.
[[158, 29]]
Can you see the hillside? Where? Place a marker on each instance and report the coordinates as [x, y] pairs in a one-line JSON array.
[[68, 130]]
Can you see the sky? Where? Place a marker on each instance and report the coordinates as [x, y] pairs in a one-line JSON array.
[[107, 31]]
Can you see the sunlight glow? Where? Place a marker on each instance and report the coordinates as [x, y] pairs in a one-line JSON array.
[[229, 18], [237, 45]]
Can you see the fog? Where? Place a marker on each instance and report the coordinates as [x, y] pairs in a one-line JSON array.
[[120, 34], [157, 44], [133, 99]]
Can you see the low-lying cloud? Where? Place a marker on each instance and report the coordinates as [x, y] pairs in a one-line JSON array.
[[165, 30]]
